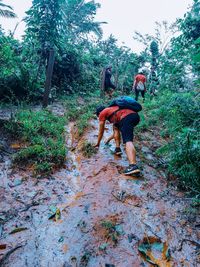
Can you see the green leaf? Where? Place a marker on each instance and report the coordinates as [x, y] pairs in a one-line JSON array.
[[103, 246]]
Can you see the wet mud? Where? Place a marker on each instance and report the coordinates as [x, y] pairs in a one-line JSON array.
[[102, 218]]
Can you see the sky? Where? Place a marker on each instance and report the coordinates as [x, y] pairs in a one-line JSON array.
[[123, 17]]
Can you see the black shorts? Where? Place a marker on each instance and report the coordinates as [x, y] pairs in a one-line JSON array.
[[126, 126]]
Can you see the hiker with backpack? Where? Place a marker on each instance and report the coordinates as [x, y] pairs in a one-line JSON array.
[[123, 114], [139, 85], [109, 87]]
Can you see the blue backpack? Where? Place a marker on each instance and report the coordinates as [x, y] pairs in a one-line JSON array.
[[126, 102]]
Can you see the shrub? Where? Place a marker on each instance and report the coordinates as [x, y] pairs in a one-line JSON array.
[[179, 116], [43, 136]]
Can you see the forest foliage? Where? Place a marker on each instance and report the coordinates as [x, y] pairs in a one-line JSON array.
[[70, 28]]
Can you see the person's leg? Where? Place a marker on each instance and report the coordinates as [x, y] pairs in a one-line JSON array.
[[136, 94], [126, 128], [143, 95], [110, 93], [111, 137], [117, 136], [130, 152]]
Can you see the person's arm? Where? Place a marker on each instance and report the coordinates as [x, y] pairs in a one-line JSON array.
[[101, 132]]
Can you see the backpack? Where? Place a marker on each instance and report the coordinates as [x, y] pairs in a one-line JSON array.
[[140, 86], [125, 102]]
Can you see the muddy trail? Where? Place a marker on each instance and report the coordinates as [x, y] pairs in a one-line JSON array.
[[90, 214]]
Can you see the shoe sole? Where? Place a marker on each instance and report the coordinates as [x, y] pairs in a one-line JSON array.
[[133, 172]]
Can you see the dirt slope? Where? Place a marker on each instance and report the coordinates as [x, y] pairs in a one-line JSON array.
[[104, 214]]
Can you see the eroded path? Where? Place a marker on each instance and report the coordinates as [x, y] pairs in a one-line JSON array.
[[104, 214]]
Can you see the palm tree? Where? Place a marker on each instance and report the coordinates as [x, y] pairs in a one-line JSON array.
[[6, 11]]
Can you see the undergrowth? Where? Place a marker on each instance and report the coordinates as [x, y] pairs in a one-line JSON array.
[[178, 116], [81, 110], [42, 136], [88, 149]]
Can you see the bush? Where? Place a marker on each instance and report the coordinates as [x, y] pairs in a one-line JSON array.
[[43, 136], [184, 158], [179, 116]]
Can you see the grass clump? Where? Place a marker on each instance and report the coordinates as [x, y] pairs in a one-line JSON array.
[[43, 136], [88, 149], [81, 109]]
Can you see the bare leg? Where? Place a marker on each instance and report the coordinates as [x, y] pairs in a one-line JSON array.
[[110, 93], [131, 153], [109, 139], [117, 136]]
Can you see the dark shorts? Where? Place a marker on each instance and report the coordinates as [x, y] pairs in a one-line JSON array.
[[126, 126]]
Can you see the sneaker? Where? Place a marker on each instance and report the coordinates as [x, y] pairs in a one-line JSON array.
[[131, 169], [118, 151]]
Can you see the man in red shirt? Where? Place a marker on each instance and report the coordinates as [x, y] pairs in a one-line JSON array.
[[139, 85], [124, 121]]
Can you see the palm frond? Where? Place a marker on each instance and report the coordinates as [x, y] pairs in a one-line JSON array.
[[4, 5], [7, 14]]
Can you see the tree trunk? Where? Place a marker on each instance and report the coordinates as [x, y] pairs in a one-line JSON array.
[[49, 74]]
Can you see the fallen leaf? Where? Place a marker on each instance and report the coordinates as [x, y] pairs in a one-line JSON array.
[[15, 146], [17, 230], [58, 215], [55, 213], [3, 246], [151, 246], [65, 248], [17, 182], [61, 239], [103, 246]]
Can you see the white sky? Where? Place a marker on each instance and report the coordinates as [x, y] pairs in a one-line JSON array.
[[123, 16]]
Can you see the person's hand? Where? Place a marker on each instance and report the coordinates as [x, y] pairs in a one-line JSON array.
[[96, 146]]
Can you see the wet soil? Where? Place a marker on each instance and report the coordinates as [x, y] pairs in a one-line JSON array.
[[104, 214]]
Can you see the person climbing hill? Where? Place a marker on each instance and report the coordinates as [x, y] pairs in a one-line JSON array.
[[109, 87], [139, 85], [124, 119]]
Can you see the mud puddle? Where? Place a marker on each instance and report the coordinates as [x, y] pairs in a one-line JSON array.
[[102, 218]]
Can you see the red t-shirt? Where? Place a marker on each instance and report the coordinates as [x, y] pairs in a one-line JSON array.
[[140, 78], [118, 116]]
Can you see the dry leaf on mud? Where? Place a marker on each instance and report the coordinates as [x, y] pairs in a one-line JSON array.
[[55, 213], [17, 230], [3, 246], [154, 251], [65, 248], [15, 146]]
